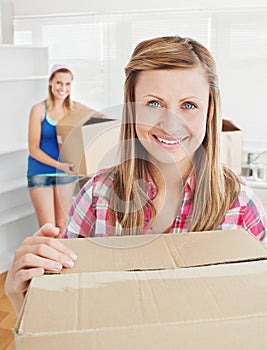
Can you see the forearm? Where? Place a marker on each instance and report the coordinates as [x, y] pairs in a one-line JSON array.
[[44, 158]]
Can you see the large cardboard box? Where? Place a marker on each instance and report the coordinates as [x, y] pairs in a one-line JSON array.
[[172, 291], [89, 140], [231, 146]]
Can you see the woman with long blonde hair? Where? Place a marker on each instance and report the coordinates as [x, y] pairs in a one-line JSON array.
[[51, 182], [170, 177]]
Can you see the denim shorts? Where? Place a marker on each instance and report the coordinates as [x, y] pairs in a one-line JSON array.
[[49, 181]]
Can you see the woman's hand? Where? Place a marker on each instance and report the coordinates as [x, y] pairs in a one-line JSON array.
[[67, 168], [36, 254]]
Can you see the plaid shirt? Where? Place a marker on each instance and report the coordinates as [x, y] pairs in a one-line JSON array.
[[89, 214]]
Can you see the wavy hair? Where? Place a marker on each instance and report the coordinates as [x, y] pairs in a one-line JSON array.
[[216, 185]]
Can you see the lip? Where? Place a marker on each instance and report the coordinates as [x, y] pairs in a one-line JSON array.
[[62, 94], [169, 142]]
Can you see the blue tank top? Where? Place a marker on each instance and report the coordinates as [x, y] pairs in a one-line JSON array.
[[49, 145]]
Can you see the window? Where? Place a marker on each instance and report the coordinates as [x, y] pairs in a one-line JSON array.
[[98, 47]]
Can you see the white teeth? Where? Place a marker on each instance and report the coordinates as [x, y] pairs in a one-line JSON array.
[[169, 142]]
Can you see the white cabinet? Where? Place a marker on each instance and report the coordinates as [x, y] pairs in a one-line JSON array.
[[23, 83]]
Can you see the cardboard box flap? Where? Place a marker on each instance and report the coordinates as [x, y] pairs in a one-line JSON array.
[[227, 125], [97, 120], [74, 118], [231, 139], [112, 301], [166, 251]]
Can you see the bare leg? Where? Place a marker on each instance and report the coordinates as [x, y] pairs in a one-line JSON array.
[[63, 195], [43, 202]]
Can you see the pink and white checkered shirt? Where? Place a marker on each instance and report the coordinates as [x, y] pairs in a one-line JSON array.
[[89, 213]]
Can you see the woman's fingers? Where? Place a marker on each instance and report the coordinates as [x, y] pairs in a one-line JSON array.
[[36, 254], [48, 247], [31, 260], [23, 277], [47, 230]]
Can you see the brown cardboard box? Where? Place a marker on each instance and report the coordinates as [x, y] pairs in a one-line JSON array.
[[172, 291], [231, 146], [88, 140]]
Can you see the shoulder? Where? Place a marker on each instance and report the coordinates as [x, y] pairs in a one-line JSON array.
[[94, 190], [37, 112], [247, 199], [246, 191], [38, 108], [254, 216], [100, 183]]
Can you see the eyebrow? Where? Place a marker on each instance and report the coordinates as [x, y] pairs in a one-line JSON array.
[[153, 96], [190, 97], [183, 99], [61, 81]]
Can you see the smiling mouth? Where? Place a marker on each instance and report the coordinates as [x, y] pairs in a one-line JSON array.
[[169, 141]]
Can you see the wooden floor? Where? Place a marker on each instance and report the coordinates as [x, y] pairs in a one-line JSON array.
[[7, 319]]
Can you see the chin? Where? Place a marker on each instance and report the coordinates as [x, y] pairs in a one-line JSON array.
[[168, 160]]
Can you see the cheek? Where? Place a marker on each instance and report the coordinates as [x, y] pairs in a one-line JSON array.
[[141, 130], [53, 87], [198, 127]]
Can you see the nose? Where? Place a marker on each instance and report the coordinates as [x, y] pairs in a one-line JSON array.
[[171, 121], [63, 87]]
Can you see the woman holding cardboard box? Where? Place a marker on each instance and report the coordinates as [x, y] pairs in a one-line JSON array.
[[170, 178], [51, 182]]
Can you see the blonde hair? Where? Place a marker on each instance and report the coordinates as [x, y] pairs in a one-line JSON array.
[[216, 186], [67, 104]]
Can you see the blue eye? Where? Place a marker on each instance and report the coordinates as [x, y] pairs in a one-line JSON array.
[[189, 105], [153, 104]]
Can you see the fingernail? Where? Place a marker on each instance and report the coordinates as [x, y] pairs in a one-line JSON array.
[[73, 256], [57, 267], [69, 263]]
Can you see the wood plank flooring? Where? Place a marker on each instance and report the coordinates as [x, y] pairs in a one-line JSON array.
[[7, 319]]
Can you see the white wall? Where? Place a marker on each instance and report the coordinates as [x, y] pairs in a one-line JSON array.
[[39, 7], [237, 78], [1, 29], [6, 17]]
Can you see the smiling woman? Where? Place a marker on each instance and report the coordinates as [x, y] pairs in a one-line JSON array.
[[51, 183], [170, 178]]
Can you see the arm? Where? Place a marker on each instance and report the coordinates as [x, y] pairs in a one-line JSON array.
[[36, 254], [255, 220], [34, 138]]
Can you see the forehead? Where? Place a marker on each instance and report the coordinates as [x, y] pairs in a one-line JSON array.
[[62, 76], [176, 80]]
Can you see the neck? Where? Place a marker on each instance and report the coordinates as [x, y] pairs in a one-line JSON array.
[[174, 175], [57, 104]]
